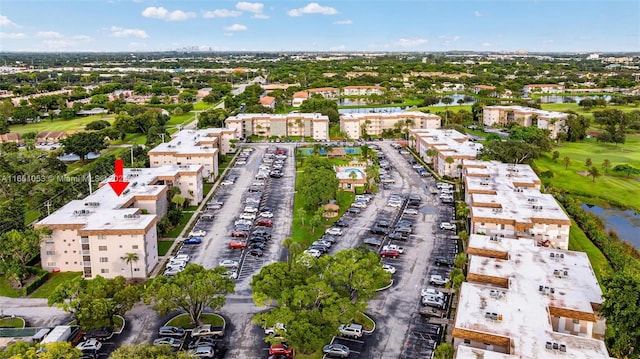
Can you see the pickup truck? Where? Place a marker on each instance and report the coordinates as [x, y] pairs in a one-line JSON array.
[[393, 247], [207, 330]]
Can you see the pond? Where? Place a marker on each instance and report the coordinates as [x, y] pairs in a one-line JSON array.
[[625, 222], [569, 99], [70, 157]]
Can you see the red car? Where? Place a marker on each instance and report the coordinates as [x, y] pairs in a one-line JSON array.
[[239, 234], [281, 348], [392, 253], [265, 222], [237, 244]]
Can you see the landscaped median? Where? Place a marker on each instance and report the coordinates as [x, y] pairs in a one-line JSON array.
[[184, 321]]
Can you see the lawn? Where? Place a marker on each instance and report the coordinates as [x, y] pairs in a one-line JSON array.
[[164, 246], [206, 188], [564, 107], [6, 290], [616, 189], [11, 323], [305, 233], [175, 231], [180, 119], [578, 241], [77, 123], [52, 283], [184, 321]]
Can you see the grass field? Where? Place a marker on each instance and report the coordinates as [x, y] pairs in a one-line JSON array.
[[617, 189], [302, 232], [77, 123], [55, 279], [6, 290], [11, 323], [563, 107], [578, 241], [163, 247], [175, 232]]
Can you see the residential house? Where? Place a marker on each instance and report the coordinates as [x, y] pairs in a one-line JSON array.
[[299, 97], [268, 102]]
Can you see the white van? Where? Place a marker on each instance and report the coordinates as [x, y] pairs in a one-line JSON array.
[[351, 330]]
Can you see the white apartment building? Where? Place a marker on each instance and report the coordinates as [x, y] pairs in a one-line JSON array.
[[505, 200], [94, 234], [194, 147], [447, 144], [525, 116], [527, 90], [312, 125], [326, 92], [362, 90], [354, 124], [526, 301]]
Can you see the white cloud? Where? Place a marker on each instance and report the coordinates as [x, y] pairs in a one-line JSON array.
[[164, 14], [49, 35], [254, 7], [12, 35], [138, 1], [337, 48], [122, 32], [58, 43], [6, 22], [260, 16], [410, 42], [236, 27], [82, 38], [486, 44], [313, 8], [221, 13], [478, 14], [343, 22], [228, 34], [137, 44], [549, 41]]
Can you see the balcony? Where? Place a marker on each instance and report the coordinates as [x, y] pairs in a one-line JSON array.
[[84, 240], [86, 263], [86, 252]]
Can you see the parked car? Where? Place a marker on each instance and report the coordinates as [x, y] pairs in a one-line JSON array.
[[197, 233], [203, 341], [433, 302], [272, 330], [229, 263], [205, 351], [193, 240], [448, 226], [168, 331], [354, 210], [393, 247], [281, 348], [336, 350], [395, 235], [321, 242], [90, 345], [432, 292], [313, 253], [266, 214], [265, 222], [379, 230], [99, 333], [411, 211], [372, 241], [359, 204], [227, 182], [437, 279], [207, 330], [334, 231], [389, 268], [239, 234], [341, 223], [250, 209], [256, 252], [237, 244], [443, 261], [247, 215], [389, 253], [174, 343], [350, 330], [170, 272]]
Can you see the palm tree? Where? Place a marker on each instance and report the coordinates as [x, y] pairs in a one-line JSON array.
[[431, 154], [449, 160], [130, 258]]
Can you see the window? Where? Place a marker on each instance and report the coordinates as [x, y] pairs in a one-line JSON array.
[[120, 246], [66, 262], [135, 246], [102, 237], [51, 253], [136, 269], [51, 264], [502, 226], [467, 341], [65, 251], [559, 226], [104, 270], [576, 321], [104, 259], [102, 248]]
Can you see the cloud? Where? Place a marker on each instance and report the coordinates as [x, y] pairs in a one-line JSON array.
[[236, 27], [122, 32], [410, 42], [221, 13], [12, 35], [6, 22], [337, 48], [82, 38], [343, 22], [58, 43], [254, 7], [260, 16], [164, 14], [486, 44], [313, 8], [478, 14], [49, 35], [549, 41]]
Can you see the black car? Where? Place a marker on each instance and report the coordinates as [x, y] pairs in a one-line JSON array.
[[257, 245], [379, 230], [372, 241], [341, 223], [354, 210], [99, 333], [443, 261], [322, 249], [256, 252], [397, 236]]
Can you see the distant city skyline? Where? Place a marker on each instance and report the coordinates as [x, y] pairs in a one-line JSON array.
[[295, 25]]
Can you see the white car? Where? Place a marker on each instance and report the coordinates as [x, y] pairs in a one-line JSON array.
[[174, 263], [437, 279], [410, 211], [334, 231], [170, 272], [321, 242], [180, 257], [359, 204], [389, 268], [448, 226], [197, 233], [313, 252], [243, 222], [393, 247], [233, 274], [241, 162], [90, 345], [266, 214], [431, 292], [258, 183], [394, 204], [250, 209], [229, 263], [227, 182], [247, 215]]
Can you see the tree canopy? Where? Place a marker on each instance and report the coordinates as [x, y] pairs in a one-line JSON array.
[[17, 248], [193, 290], [621, 308], [24, 350], [317, 183], [320, 294], [83, 143], [318, 104], [148, 351]]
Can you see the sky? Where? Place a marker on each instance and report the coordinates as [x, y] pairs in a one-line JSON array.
[[301, 25]]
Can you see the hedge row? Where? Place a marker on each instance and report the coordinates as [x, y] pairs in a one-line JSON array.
[[42, 276]]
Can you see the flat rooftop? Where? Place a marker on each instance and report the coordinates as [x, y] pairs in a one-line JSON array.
[[192, 141], [448, 142], [520, 207], [523, 310], [388, 115], [280, 117], [499, 175], [530, 110]]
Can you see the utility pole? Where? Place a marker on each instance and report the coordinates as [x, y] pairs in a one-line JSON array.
[[48, 204], [162, 136], [90, 188], [131, 155]]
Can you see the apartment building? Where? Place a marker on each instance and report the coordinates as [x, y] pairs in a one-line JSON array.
[[525, 116], [450, 149], [354, 124], [312, 125], [326, 92], [362, 90], [94, 234], [505, 200], [542, 89], [526, 301], [194, 147]]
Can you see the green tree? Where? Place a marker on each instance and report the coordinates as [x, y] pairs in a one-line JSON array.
[[444, 351], [302, 214], [93, 303], [621, 308], [322, 294], [556, 156], [17, 248], [24, 350], [318, 104], [83, 143], [148, 351], [594, 172], [567, 161], [588, 162], [431, 153], [178, 200], [130, 258], [317, 183], [461, 260], [193, 290], [4, 126], [449, 160], [314, 222], [457, 277], [606, 164]]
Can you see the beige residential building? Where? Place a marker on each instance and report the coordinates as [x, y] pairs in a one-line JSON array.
[[362, 90], [525, 116], [326, 92], [94, 234], [194, 147], [353, 124], [312, 125], [450, 149], [542, 88], [505, 200], [299, 97], [526, 301], [268, 101]]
